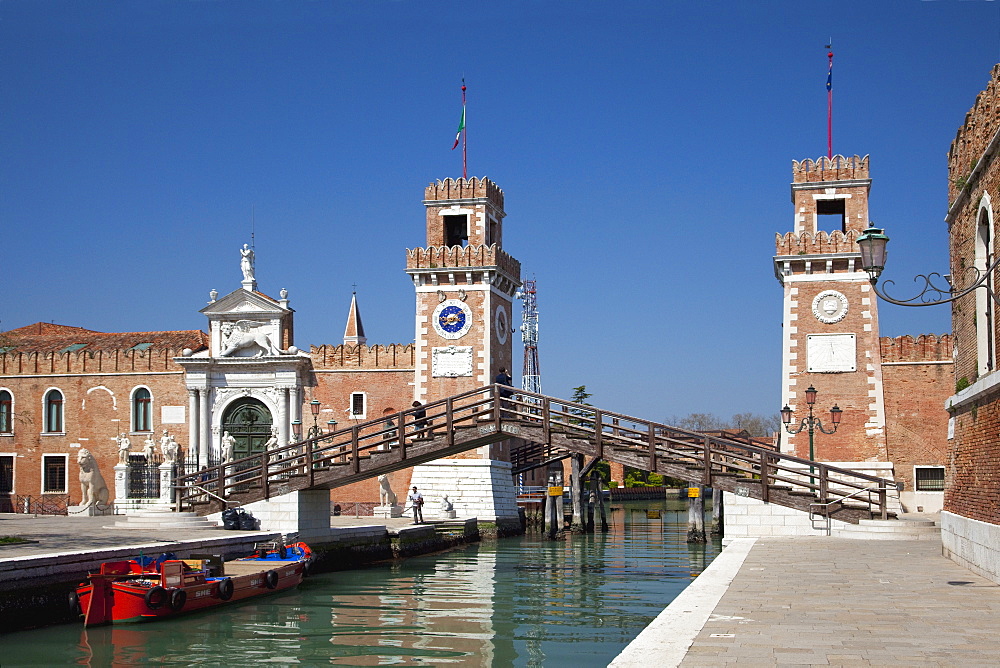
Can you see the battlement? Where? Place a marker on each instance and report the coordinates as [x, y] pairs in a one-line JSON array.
[[827, 169], [445, 257], [454, 189], [33, 363], [972, 139], [923, 348], [820, 243], [362, 357]]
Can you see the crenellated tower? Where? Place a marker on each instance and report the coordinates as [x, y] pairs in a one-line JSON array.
[[830, 325], [465, 285]]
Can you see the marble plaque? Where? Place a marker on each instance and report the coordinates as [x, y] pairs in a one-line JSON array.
[[451, 361], [172, 415]]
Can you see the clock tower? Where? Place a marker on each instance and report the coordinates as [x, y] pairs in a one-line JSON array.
[[830, 333], [465, 285]]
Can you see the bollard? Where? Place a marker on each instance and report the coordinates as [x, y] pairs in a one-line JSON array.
[[696, 516]]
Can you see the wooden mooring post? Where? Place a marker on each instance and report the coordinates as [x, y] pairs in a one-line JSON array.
[[576, 494], [718, 513], [696, 516]]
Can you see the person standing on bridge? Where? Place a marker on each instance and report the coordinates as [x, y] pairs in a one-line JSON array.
[[416, 500], [504, 380]]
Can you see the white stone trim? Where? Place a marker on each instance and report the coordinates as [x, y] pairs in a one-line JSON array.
[[971, 543]]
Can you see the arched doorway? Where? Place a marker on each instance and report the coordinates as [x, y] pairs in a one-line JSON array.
[[249, 421]]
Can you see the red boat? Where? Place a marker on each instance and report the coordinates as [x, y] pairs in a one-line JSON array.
[[146, 589]]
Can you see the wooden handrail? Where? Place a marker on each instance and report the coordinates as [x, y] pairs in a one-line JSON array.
[[596, 432]]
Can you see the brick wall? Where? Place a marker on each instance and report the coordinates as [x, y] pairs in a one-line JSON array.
[[917, 376]]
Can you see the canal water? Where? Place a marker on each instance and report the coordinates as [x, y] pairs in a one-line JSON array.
[[514, 602]]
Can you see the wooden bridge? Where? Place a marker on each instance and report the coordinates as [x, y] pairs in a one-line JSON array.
[[541, 430]]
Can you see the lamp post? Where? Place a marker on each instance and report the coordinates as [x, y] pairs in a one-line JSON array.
[[873, 243], [812, 423], [314, 431], [297, 429]]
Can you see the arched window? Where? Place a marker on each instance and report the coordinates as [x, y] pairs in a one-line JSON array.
[[54, 412], [142, 410], [6, 412], [984, 303]]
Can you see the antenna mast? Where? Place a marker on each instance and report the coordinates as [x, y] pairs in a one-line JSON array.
[[531, 379]]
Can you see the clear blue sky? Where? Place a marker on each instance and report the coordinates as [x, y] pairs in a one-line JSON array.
[[644, 148]]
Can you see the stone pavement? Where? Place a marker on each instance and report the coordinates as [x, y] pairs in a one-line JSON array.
[[60, 533], [814, 601]]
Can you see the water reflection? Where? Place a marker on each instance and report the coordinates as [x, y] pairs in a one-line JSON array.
[[515, 602]]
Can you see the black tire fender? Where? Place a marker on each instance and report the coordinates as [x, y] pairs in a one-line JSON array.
[[156, 597], [178, 597], [226, 589], [74, 603], [271, 579]]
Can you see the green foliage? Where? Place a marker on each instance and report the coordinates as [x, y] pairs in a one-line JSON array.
[[580, 395], [612, 484], [655, 479], [962, 383]]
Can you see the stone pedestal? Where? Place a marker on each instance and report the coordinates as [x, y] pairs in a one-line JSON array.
[[386, 512], [166, 482], [445, 514], [121, 481], [481, 488], [89, 511]]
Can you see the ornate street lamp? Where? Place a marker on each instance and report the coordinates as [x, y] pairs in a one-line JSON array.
[[873, 242], [314, 431], [297, 429], [811, 423]]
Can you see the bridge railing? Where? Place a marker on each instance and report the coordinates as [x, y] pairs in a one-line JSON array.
[[347, 446], [653, 443]]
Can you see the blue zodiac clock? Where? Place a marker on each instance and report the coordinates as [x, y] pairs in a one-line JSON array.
[[452, 319]]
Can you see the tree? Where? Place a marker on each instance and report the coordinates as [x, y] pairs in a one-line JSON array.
[[762, 426], [580, 395]]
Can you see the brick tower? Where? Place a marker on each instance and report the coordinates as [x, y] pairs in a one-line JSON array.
[[465, 285], [830, 336]]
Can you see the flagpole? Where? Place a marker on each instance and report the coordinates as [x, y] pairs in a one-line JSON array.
[[465, 136], [829, 104]]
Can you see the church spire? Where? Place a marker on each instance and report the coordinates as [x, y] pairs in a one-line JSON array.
[[354, 334]]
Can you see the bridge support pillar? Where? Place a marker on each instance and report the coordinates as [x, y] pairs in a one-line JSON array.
[[480, 488], [306, 513]]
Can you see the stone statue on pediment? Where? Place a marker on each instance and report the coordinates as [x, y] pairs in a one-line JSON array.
[[246, 263], [243, 334]]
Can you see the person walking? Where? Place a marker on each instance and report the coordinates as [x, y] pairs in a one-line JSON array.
[[420, 421], [416, 500]]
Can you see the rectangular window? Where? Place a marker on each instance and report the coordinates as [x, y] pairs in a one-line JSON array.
[[6, 475], [358, 405], [54, 473], [929, 478], [456, 230], [831, 215]]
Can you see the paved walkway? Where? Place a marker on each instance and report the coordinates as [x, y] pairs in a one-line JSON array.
[[813, 601], [60, 533]]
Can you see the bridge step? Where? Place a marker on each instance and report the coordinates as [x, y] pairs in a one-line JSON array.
[[891, 530]]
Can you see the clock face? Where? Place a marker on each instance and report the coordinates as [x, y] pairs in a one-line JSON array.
[[830, 306], [500, 324], [452, 319]]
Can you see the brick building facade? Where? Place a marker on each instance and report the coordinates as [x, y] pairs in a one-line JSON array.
[[65, 388], [971, 518]]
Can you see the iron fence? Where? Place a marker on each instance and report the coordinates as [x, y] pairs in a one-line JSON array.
[[48, 504]]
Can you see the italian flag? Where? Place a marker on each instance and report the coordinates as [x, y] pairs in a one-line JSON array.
[[461, 128]]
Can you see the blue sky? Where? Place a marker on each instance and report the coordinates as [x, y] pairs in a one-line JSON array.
[[644, 149]]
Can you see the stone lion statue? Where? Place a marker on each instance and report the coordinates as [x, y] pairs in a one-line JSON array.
[[246, 334], [386, 496], [92, 486]]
